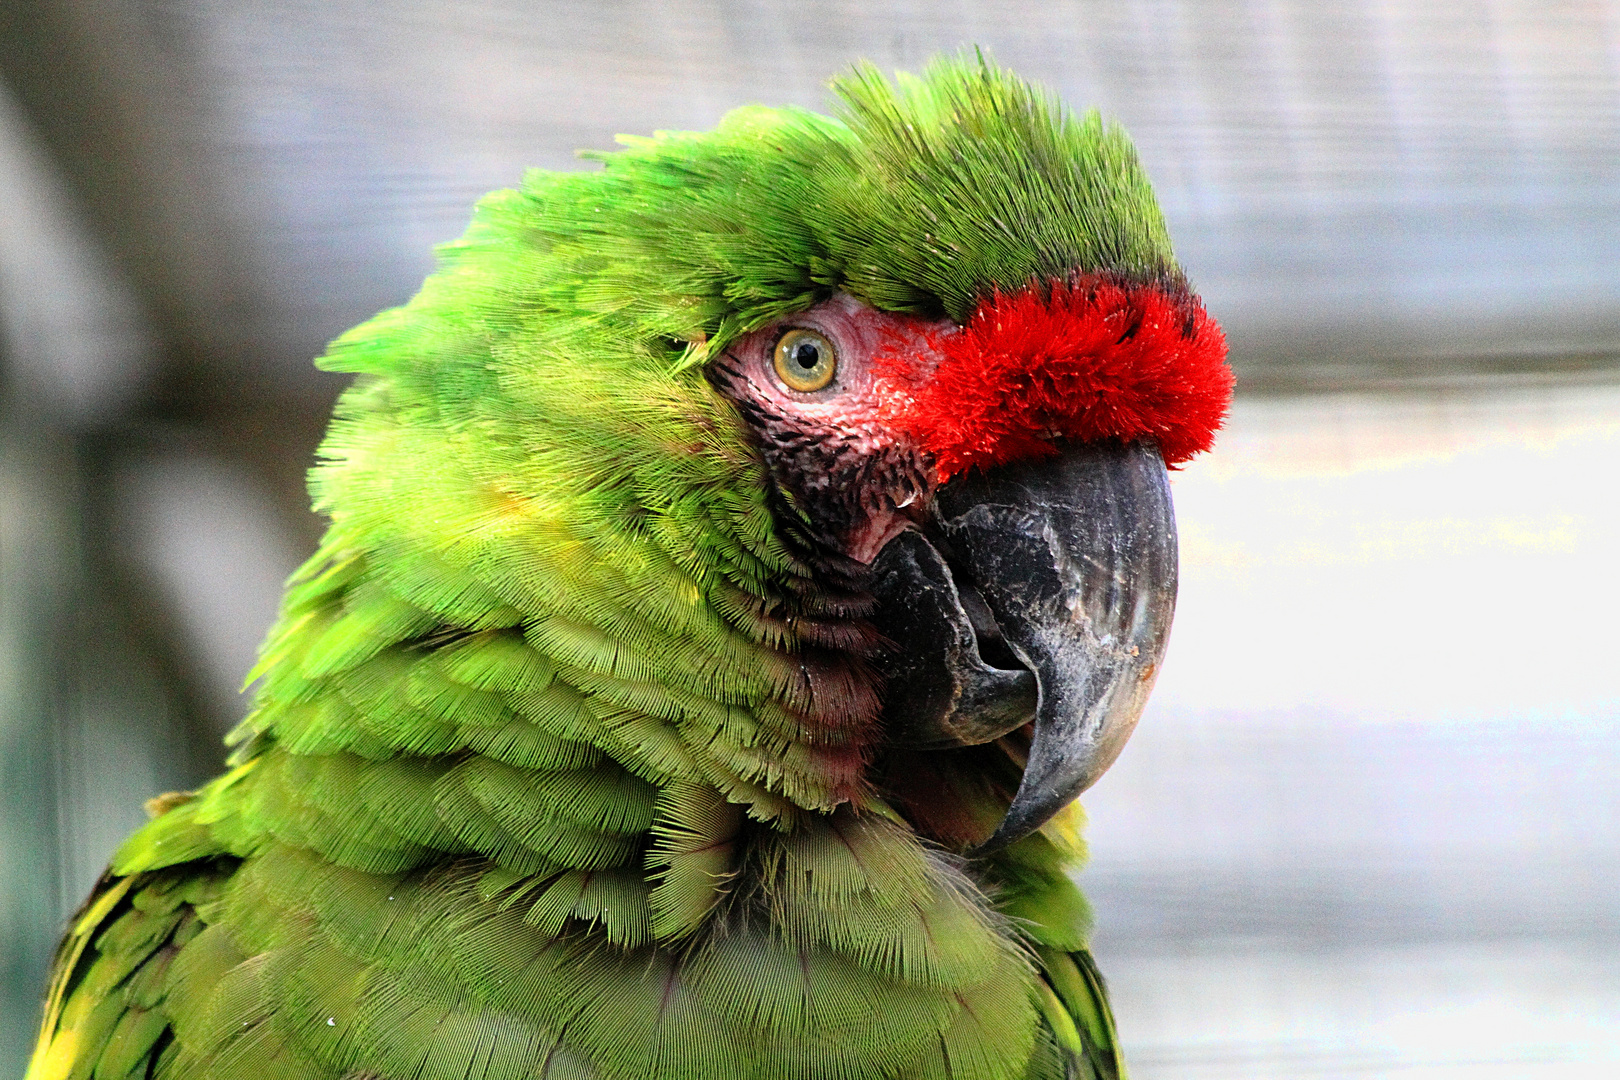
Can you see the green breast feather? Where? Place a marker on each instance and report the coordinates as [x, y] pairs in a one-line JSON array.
[[539, 781]]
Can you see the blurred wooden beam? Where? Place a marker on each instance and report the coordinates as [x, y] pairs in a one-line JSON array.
[[119, 113], [125, 116]]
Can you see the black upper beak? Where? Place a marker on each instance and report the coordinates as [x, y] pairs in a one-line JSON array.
[[1043, 592]]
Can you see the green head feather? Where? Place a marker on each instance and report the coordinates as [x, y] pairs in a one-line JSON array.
[[922, 196]]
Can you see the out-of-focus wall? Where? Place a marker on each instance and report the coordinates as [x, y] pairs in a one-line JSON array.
[[1367, 825], [1414, 183], [1415, 201]]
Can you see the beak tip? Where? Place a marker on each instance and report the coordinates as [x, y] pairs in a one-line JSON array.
[[1016, 825], [1032, 807]]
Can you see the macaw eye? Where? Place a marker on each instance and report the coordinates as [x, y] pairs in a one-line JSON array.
[[805, 360]]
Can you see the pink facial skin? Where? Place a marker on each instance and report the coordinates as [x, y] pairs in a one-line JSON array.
[[838, 447]]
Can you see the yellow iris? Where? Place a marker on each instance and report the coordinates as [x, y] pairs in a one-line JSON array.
[[805, 360]]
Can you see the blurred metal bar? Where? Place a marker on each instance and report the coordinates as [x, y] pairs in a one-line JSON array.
[[94, 719], [36, 555]]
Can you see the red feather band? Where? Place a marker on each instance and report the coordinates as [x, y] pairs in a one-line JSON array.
[[1088, 359]]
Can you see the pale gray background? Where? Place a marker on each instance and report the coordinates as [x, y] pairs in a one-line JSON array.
[[1369, 825]]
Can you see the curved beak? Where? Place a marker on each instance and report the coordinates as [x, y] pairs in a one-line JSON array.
[[1042, 592]]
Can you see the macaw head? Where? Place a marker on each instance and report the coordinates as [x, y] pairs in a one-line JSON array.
[[849, 434]]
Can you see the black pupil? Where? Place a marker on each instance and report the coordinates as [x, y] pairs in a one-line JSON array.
[[806, 356]]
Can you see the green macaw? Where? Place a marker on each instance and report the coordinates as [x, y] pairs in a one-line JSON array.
[[740, 556]]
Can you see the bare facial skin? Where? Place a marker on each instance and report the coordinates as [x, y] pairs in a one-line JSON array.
[[833, 452]]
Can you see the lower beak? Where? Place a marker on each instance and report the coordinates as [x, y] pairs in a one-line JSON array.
[[1043, 592]]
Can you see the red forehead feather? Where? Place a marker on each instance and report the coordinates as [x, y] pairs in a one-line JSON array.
[[1087, 359]]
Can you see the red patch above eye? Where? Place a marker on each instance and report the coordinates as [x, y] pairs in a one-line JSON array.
[[1088, 359]]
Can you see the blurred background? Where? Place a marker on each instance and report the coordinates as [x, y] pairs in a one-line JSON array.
[[1370, 825]]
